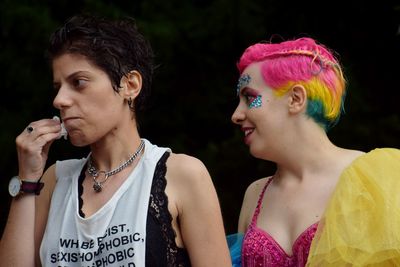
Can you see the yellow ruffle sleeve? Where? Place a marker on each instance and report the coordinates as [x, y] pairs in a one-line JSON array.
[[361, 224]]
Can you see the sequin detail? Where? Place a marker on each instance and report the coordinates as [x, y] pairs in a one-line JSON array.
[[260, 249], [243, 81], [256, 103]]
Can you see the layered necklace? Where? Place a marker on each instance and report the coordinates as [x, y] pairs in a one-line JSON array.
[[98, 185]]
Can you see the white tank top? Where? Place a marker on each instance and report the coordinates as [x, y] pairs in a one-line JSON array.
[[113, 236]]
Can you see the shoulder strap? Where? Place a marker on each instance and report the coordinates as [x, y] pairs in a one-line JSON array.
[[258, 208]]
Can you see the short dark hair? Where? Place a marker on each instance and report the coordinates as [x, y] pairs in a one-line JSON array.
[[115, 46]]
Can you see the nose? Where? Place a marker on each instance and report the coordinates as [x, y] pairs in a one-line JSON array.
[[62, 99], [238, 115]]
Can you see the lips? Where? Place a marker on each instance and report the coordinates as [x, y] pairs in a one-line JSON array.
[[247, 133], [69, 119], [69, 122]]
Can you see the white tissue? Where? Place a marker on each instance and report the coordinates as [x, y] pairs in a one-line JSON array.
[[64, 132]]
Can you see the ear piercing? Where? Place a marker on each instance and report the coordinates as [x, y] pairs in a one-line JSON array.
[[29, 129], [130, 103]]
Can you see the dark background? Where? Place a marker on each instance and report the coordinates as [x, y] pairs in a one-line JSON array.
[[197, 43]]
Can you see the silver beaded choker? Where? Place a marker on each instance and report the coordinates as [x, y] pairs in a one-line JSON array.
[[98, 185]]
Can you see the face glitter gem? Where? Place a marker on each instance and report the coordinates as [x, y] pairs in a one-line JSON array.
[[256, 103], [242, 82]]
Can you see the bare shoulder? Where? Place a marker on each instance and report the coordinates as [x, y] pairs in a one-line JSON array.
[[50, 174], [43, 200], [49, 180], [188, 182], [256, 187], [353, 154], [348, 156], [249, 204], [186, 169]]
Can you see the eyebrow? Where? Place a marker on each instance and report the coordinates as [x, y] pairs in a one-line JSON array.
[[72, 75]]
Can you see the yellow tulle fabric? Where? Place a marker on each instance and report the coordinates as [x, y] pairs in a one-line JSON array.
[[361, 225]]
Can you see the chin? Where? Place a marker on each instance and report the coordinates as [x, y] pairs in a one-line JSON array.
[[79, 144], [255, 152], [260, 153], [78, 141]]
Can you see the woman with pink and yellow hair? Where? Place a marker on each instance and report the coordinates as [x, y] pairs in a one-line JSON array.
[[325, 205]]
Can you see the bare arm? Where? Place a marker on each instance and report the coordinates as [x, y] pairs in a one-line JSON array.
[[28, 213], [25, 226], [199, 212], [42, 206], [18, 238]]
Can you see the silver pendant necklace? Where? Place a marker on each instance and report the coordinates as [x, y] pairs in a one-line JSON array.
[[98, 185]]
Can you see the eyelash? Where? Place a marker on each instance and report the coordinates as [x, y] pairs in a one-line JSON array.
[[249, 98], [79, 83]]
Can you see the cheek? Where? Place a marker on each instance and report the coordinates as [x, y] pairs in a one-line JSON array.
[[106, 101]]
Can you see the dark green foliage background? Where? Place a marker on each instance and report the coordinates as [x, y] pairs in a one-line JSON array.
[[197, 43]]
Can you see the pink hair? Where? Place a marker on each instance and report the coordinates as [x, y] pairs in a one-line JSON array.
[[301, 61]]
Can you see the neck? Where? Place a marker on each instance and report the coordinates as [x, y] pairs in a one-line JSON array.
[[115, 148], [308, 151]]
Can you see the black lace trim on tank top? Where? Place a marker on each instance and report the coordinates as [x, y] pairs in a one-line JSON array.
[[80, 191], [159, 225], [161, 249]]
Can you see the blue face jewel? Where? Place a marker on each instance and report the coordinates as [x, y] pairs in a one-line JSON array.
[[256, 103], [242, 82]]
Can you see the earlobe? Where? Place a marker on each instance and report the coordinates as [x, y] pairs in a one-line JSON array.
[[297, 99]]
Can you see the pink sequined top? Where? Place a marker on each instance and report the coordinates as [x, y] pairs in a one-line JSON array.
[[260, 249]]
